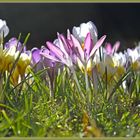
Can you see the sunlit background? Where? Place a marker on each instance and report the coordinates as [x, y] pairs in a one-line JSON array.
[[44, 20]]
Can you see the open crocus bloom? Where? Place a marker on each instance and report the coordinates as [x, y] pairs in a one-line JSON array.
[[87, 36], [85, 53], [4, 30], [60, 52]]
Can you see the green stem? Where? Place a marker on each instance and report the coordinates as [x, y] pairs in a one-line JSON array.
[[87, 90], [77, 83]]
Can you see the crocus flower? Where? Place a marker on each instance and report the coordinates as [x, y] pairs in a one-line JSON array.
[[110, 50], [86, 53], [115, 66], [40, 62], [60, 51], [6, 57], [133, 58], [13, 42], [81, 32], [87, 36], [12, 50], [4, 30], [21, 66]]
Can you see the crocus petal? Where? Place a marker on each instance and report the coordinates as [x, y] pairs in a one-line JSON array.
[[63, 45], [108, 48], [93, 31], [68, 34], [35, 55], [97, 45], [55, 50], [81, 32], [78, 46], [50, 57], [116, 47], [4, 30], [88, 44]]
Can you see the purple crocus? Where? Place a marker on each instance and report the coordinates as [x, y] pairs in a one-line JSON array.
[[36, 61], [60, 51], [40, 62], [13, 42], [86, 51]]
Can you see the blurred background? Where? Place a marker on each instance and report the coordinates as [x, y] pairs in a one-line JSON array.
[[119, 21]]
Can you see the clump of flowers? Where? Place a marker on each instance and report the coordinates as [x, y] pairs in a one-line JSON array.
[[76, 84]]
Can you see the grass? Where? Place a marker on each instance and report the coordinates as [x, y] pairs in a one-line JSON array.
[[29, 110]]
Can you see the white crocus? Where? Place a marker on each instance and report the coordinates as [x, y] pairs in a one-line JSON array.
[[133, 55], [4, 30], [81, 32], [119, 59]]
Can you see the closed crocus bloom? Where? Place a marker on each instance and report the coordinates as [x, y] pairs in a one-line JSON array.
[[23, 62], [8, 58], [21, 66], [119, 61], [133, 58], [14, 42], [81, 32], [4, 30], [11, 49], [36, 61]]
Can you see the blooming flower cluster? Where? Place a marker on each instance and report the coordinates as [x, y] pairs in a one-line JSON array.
[[80, 49]]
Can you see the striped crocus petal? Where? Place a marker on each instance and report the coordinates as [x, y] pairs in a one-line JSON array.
[[77, 45], [63, 45], [97, 45], [88, 44], [46, 61], [54, 49], [47, 54]]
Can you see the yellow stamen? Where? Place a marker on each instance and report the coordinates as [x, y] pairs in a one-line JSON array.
[[82, 46]]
